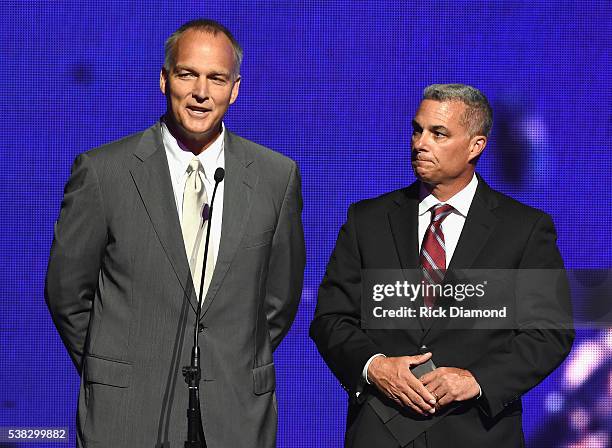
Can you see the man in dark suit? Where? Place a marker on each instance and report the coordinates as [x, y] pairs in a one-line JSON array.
[[468, 391], [128, 250]]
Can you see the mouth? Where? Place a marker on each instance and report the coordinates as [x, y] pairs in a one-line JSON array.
[[198, 111], [420, 157]]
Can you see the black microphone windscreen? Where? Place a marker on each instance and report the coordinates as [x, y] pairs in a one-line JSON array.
[[219, 174]]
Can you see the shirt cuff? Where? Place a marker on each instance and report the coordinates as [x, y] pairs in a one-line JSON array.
[[364, 373], [479, 392]]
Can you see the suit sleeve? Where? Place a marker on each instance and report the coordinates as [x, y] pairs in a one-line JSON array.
[[75, 260], [536, 350], [286, 265], [336, 327]]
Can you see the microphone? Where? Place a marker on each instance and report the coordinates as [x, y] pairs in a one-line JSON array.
[[207, 216], [206, 210], [219, 175], [193, 373]]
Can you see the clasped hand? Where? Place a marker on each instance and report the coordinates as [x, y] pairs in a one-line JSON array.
[[435, 389]]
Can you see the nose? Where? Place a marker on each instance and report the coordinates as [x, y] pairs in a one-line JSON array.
[[419, 141], [200, 90]]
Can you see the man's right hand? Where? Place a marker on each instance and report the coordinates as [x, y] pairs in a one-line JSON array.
[[392, 376]]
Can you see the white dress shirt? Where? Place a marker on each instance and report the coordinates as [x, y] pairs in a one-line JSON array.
[[211, 158], [451, 227]]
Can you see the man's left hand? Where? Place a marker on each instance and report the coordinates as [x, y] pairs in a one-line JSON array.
[[450, 384]]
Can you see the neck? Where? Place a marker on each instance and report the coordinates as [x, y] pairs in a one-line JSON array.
[[443, 192], [189, 142]]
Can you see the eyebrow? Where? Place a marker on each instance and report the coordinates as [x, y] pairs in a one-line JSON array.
[[178, 68], [439, 128]]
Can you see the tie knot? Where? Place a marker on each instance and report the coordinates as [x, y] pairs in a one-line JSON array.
[[194, 165], [441, 211]]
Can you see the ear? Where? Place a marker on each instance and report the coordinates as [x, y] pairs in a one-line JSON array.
[[163, 79], [477, 145], [235, 89]]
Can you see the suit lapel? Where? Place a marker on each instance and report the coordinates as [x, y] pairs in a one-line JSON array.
[[240, 181], [476, 231], [151, 175], [404, 227], [478, 226]]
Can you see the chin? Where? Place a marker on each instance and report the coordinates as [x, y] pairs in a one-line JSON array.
[[197, 128], [423, 176], [428, 179]]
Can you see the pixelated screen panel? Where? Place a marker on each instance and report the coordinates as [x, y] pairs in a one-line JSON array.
[[334, 86]]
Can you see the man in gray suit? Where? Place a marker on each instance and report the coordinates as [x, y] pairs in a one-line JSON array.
[[126, 254]]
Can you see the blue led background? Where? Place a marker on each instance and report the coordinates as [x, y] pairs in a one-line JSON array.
[[332, 84]]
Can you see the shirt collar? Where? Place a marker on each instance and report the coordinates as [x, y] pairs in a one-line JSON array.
[[461, 201], [179, 157]]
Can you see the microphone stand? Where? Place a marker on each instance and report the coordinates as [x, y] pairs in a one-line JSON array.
[[193, 372]]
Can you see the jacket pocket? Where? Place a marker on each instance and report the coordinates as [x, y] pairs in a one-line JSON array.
[[107, 371], [264, 379], [107, 385]]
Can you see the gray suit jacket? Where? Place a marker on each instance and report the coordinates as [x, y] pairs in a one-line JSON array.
[[120, 293]]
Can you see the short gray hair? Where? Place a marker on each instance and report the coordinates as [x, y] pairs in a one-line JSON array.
[[478, 116], [205, 26]]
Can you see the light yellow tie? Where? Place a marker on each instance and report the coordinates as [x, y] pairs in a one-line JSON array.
[[194, 227]]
